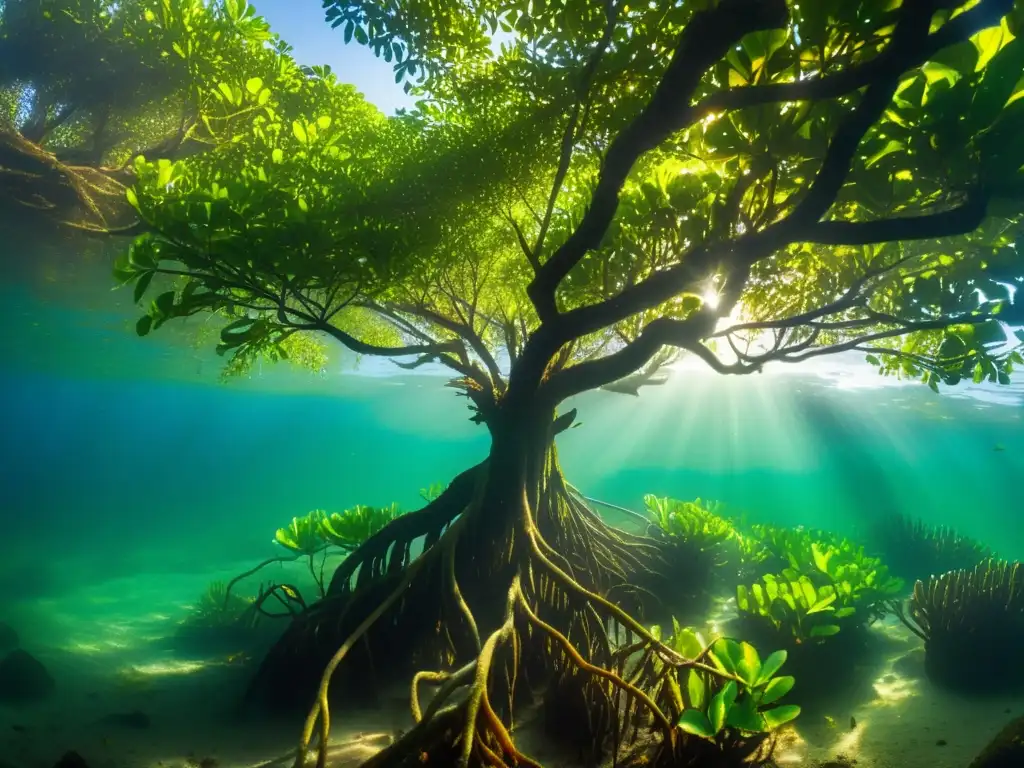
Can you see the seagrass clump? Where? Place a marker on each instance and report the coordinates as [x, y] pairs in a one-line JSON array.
[[913, 549], [972, 623]]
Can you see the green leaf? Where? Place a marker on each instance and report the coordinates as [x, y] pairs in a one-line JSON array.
[[695, 722], [824, 630], [695, 689], [253, 85], [720, 704], [823, 604], [144, 325], [779, 716], [821, 557], [772, 665], [277, 155], [777, 688], [133, 199], [142, 285], [743, 715], [163, 305], [748, 667], [299, 130], [998, 83]]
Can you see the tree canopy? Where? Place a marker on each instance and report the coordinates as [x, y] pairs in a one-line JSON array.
[[86, 85], [584, 184]]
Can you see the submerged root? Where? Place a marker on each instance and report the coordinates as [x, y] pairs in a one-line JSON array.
[[558, 626]]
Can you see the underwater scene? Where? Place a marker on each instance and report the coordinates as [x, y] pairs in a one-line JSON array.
[[496, 383]]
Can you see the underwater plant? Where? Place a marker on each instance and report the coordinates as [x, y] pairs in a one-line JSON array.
[[969, 615], [696, 522], [303, 535], [620, 178], [352, 527], [728, 700], [915, 550], [218, 608], [797, 608], [704, 548]]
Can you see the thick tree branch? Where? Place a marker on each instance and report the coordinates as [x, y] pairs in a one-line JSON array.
[[571, 133], [659, 333], [966, 217], [705, 40], [466, 332], [700, 263]]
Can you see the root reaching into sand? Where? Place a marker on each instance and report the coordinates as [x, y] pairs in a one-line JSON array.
[[571, 585]]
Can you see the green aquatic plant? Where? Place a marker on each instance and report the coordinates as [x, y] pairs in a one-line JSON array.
[[729, 699], [696, 522], [972, 622], [916, 550], [303, 535], [217, 607], [797, 608], [352, 527], [827, 583]]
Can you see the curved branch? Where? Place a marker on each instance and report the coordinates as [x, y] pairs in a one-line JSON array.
[[965, 217], [705, 40], [910, 46]]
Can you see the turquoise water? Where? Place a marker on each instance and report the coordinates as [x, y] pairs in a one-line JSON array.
[[126, 453]]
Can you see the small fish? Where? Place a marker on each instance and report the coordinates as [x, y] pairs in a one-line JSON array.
[[853, 722], [998, 447]]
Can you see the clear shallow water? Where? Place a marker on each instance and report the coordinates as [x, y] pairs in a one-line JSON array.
[[126, 454]]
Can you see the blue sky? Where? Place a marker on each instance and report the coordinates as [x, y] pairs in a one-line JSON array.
[[301, 23]]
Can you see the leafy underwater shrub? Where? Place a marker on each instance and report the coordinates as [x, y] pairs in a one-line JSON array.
[[312, 533], [969, 615], [695, 521], [915, 550], [819, 605], [727, 704], [823, 574], [217, 608], [704, 544]]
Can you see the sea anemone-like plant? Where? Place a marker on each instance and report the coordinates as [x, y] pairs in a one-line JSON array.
[[702, 543], [352, 527], [218, 608], [916, 550], [972, 624], [303, 535]]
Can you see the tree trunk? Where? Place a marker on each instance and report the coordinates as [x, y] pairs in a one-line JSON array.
[[518, 581]]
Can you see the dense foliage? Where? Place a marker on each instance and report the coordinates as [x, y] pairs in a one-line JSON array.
[[886, 225], [85, 85]]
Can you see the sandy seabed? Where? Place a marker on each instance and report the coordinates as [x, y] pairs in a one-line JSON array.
[[104, 646]]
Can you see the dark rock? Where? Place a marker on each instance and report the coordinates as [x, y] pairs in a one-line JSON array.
[[23, 679], [941, 743], [71, 760], [9, 639], [1006, 750], [137, 719]]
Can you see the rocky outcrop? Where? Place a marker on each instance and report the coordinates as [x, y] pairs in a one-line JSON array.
[[24, 679], [1006, 750]]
